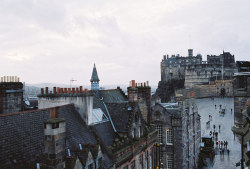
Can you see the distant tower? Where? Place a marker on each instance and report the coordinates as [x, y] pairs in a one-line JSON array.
[[94, 80]]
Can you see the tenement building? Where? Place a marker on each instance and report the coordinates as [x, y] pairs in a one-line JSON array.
[[179, 133], [119, 121]]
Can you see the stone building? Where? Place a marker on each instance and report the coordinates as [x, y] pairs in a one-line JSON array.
[[47, 139], [242, 132], [226, 59], [119, 121], [241, 85], [179, 133], [188, 72], [173, 68], [11, 94]]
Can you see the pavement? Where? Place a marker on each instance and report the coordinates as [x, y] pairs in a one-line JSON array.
[[206, 107]]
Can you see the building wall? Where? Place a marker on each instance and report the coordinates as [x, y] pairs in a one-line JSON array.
[[147, 155], [83, 103], [209, 90], [202, 74], [11, 97], [191, 136]]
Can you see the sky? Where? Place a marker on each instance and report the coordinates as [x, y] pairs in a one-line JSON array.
[[53, 41]]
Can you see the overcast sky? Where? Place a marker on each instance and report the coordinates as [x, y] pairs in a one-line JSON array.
[[56, 40]]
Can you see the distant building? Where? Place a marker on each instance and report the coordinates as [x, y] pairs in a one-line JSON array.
[[179, 72], [11, 95], [179, 133], [225, 59]]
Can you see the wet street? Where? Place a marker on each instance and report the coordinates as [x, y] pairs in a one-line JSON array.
[[206, 107]]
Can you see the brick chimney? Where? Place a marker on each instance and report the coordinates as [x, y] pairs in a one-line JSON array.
[[132, 92], [55, 138]]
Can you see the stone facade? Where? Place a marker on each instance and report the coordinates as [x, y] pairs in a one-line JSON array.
[[179, 135], [185, 72], [141, 93], [220, 88], [173, 68], [241, 92], [225, 59]]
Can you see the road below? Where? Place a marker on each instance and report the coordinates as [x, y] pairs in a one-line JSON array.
[[206, 107]]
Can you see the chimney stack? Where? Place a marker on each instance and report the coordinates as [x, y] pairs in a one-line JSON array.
[[55, 139]]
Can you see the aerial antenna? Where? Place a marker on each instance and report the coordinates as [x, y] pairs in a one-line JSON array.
[[71, 81]]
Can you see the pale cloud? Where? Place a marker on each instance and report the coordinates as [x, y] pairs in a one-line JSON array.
[[55, 40]]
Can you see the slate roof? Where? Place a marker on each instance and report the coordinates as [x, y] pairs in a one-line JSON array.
[[94, 77], [108, 96], [22, 135], [119, 113]]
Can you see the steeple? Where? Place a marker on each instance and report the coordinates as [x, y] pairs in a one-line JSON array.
[[94, 79]]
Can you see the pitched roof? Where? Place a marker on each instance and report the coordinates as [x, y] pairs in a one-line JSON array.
[[94, 77], [119, 113], [29, 128], [108, 96]]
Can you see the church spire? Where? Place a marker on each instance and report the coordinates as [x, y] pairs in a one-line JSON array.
[[94, 79]]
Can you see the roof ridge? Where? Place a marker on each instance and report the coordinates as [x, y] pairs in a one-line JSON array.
[[31, 111]]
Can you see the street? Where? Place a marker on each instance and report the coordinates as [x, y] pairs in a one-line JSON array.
[[206, 107]]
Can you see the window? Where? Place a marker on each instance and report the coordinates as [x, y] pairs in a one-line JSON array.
[[132, 165], [248, 146], [159, 129], [133, 133], [169, 135], [169, 161]]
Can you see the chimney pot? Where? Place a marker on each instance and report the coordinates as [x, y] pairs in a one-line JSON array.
[[58, 90], [54, 90], [133, 84], [46, 90], [42, 91], [81, 89]]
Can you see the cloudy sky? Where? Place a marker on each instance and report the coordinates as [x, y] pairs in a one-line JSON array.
[[56, 40]]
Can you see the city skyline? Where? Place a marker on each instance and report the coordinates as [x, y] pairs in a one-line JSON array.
[[54, 41]]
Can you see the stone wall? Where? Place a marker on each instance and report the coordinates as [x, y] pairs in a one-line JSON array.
[[83, 103], [11, 97]]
